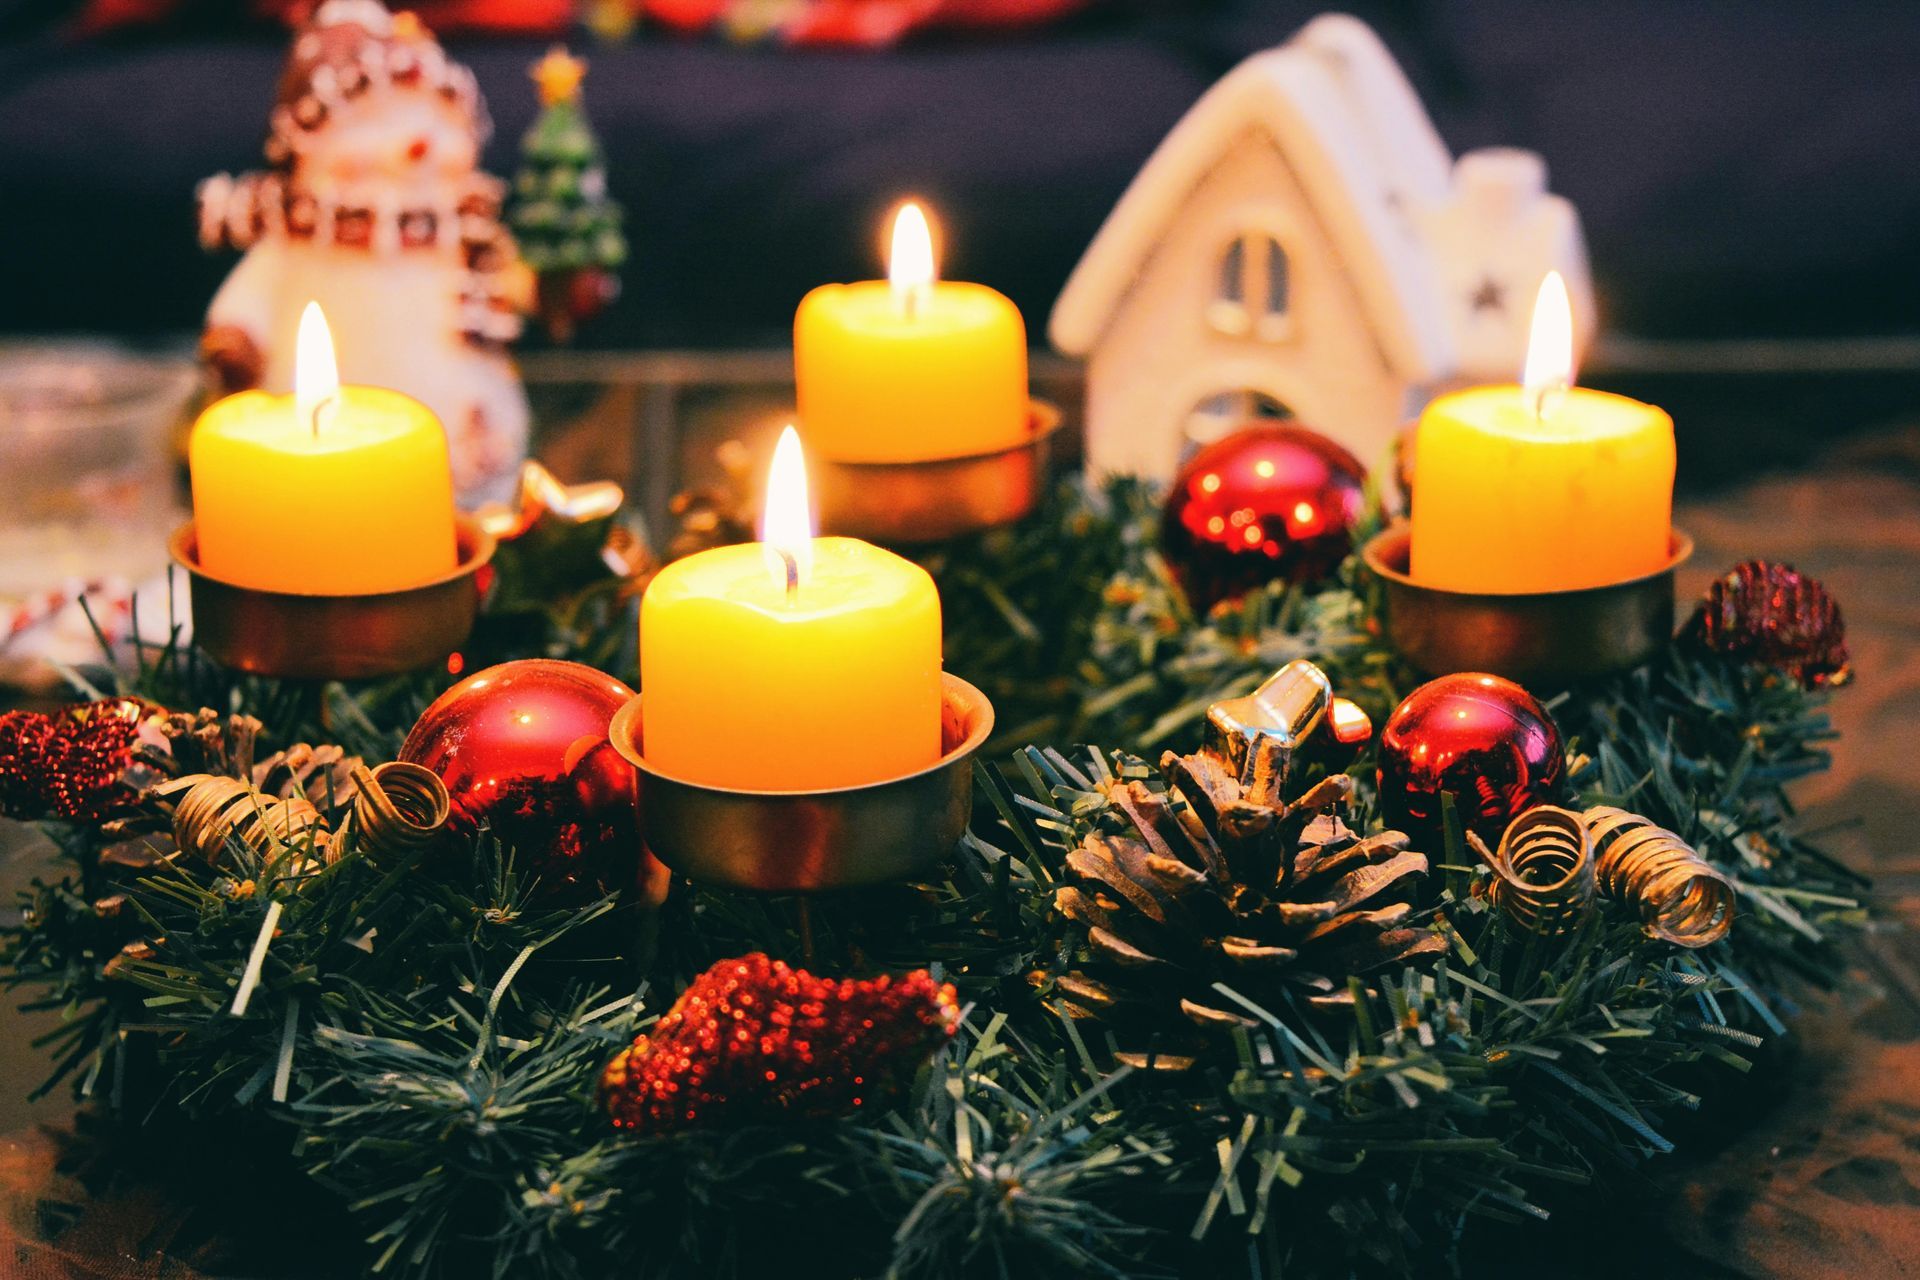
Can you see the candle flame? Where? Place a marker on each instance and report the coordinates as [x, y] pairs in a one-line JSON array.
[[786, 521], [910, 268], [1549, 369], [316, 378]]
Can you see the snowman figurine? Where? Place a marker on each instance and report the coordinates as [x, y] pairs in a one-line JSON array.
[[373, 206]]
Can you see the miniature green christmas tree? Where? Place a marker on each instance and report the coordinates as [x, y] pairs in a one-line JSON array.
[[567, 226]]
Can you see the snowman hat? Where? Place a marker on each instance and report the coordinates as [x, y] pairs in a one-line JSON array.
[[356, 49]]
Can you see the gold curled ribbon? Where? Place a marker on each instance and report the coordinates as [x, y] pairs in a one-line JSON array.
[[1682, 897], [213, 809], [1543, 871], [401, 807]]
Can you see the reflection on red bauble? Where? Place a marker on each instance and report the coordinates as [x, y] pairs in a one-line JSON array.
[[1267, 501], [1483, 739], [523, 748]]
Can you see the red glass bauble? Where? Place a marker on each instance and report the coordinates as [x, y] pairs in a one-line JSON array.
[[523, 748], [1485, 740], [1267, 501]]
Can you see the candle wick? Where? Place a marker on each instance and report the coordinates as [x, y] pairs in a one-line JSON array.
[[908, 296], [318, 408], [1545, 399], [793, 575]]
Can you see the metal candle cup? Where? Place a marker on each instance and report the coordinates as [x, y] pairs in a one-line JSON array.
[[284, 634], [903, 503], [801, 841], [1533, 637]]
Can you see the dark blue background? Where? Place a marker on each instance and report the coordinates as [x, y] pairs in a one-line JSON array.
[[1743, 168]]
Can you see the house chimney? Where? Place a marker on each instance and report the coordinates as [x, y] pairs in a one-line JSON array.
[[1498, 184]]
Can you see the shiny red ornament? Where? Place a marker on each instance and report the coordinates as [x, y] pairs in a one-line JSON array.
[[1269, 501], [68, 765], [1483, 739], [1772, 615], [523, 748], [754, 1041]]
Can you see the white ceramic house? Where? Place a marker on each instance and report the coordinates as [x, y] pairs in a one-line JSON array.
[[1304, 244]]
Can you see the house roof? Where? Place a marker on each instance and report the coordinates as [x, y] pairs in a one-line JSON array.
[[1364, 151]]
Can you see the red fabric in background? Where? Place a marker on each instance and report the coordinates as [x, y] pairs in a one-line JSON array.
[[1006, 13], [683, 15], [872, 23], [442, 17], [864, 22], [484, 17]]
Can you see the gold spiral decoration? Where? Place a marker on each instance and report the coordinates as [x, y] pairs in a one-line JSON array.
[[1543, 873], [401, 807], [1682, 897], [214, 809]]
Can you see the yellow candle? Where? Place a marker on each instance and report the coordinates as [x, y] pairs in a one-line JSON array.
[[328, 491], [1541, 487], [794, 664], [910, 368]]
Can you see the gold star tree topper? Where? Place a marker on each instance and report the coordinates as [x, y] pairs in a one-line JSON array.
[[559, 75]]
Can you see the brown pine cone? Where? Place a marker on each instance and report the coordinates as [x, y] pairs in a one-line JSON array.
[[1202, 886], [1772, 615], [223, 746]]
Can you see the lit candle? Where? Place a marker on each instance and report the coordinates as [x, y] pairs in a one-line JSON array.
[[1544, 486], [910, 368], [791, 664], [328, 491]]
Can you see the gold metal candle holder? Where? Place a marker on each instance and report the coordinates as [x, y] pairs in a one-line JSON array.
[[1542, 637], [285, 634], [903, 503], [801, 841]]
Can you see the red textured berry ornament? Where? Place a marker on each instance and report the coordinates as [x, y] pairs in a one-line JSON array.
[[68, 765], [754, 1041], [523, 748], [1484, 740], [1269, 501]]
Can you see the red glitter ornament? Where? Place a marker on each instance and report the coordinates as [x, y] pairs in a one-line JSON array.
[[1483, 739], [1265, 502], [1772, 615], [67, 765], [23, 744], [523, 748], [755, 1040]]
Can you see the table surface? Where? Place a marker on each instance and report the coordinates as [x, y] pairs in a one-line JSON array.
[[1826, 1183]]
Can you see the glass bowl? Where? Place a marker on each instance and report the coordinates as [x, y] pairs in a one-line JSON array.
[[88, 482]]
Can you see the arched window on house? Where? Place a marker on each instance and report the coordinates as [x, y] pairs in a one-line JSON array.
[[1252, 292], [1225, 411]]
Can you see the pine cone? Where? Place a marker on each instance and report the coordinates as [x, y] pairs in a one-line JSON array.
[[210, 743], [207, 743], [1207, 886], [1772, 615], [322, 775], [203, 743]]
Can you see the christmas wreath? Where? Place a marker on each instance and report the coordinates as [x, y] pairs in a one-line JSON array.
[[1168, 1008]]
